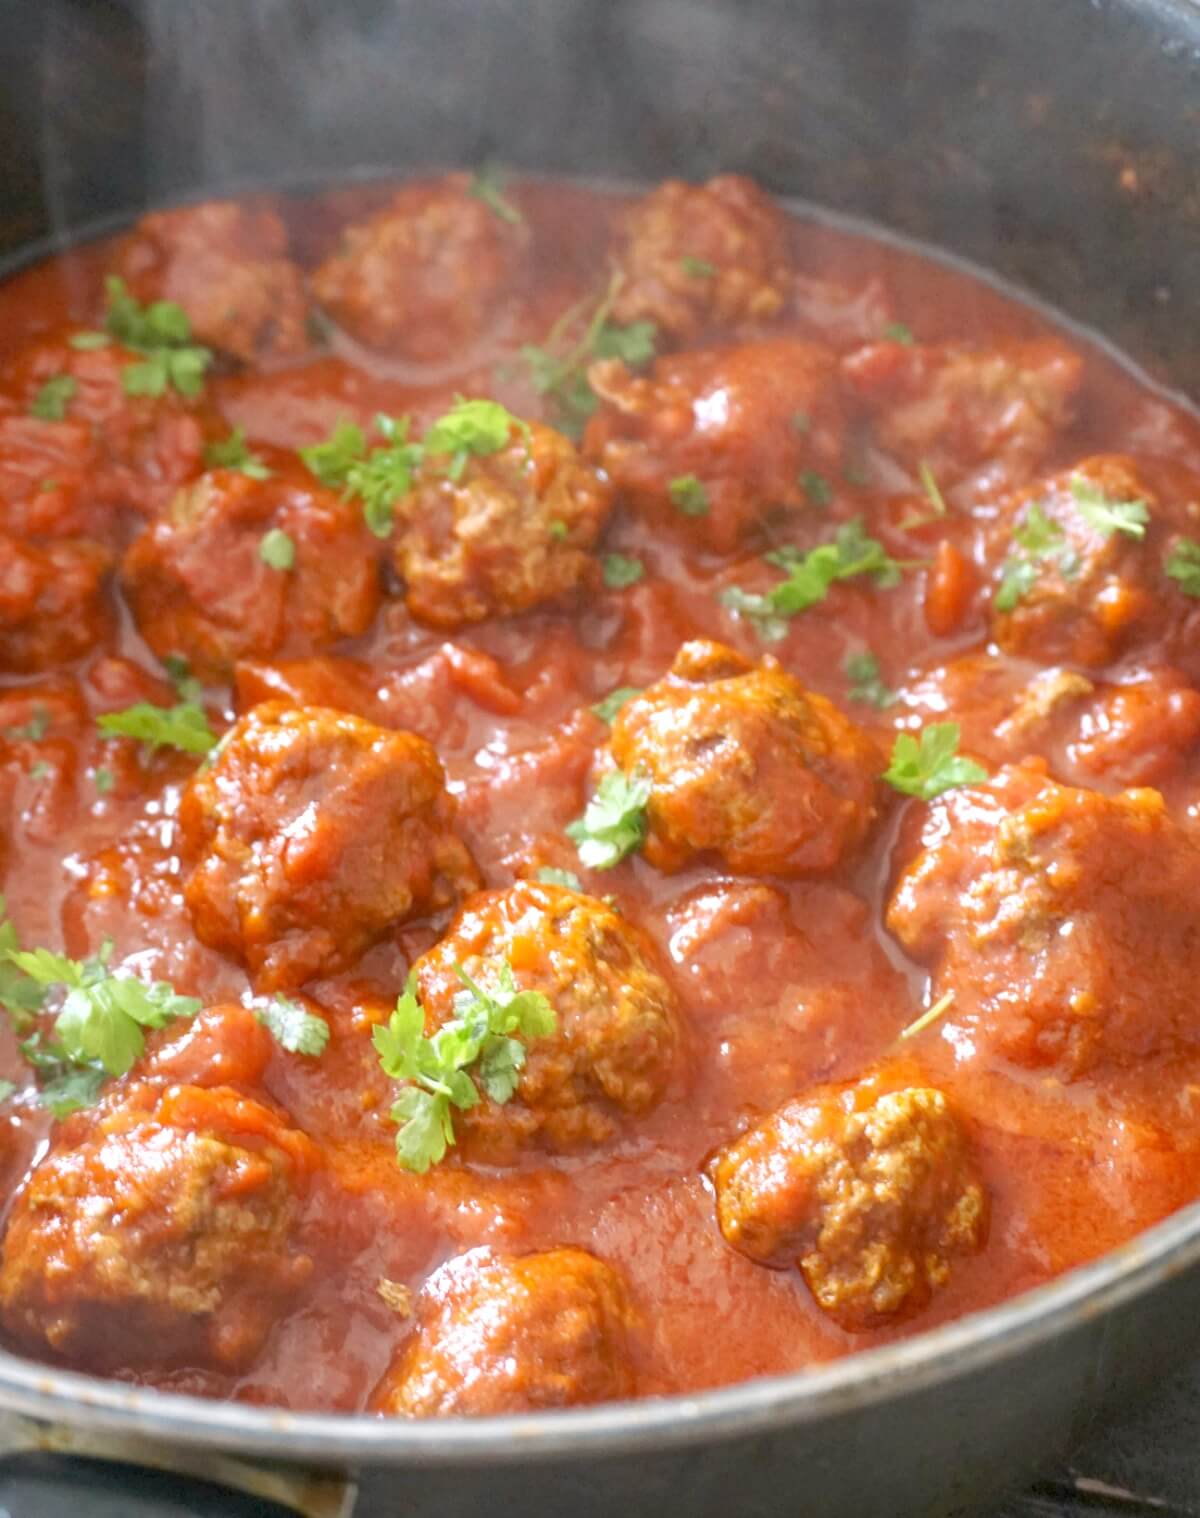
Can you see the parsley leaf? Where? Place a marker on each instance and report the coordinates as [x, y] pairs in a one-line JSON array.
[[477, 427], [867, 685], [608, 708], [179, 672], [697, 268], [233, 453], [614, 821], [487, 184], [63, 1085], [293, 1026], [104, 780], [332, 460], [810, 576], [32, 731], [548, 875], [561, 376], [161, 333], [50, 403], [1183, 566], [1107, 516], [688, 496], [20, 997], [621, 571], [932, 764], [102, 1016], [277, 550], [486, 1032], [183, 726], [898, 332], [816, 487], [7, 1089], [1040, 542]]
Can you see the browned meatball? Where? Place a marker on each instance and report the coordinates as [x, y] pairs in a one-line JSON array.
[[618, 1037], [871, 1193], [205, 580], [226, 263], [746, 764], [700, 256], [422, 277], [986, 417], [500, 1335], [1064, 921], [512, 532], [751, 430], [160, 1226], [310, 835], [1070, 586], [52, 606]]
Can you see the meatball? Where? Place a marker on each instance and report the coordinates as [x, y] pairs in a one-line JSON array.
[[226, 263], [1070, 587], [983, 417], [500, 1335], [207, 582], [109, 449], [746, 764], [422, 277], [751, 427], [52, 606], [870, 1193], [1138, 733], [311, 834], [693, 257], [618, 1037], [511, 532], [162, 1225], [1064, 921]]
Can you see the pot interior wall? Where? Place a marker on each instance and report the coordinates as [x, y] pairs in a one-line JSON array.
[[1052, 142]]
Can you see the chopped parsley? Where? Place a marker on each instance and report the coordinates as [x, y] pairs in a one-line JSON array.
[[928, 766], [1040, 542], [549, 875], [622, 570], [614, 821], [607, 709], [40, 770], [32, 731], [688, 496], [179, 673], [697, 268], [233, 453], [64, 1085], [331, 461], [477, 427], [277, 550], [558, 368], [183, 726], [810, 576], [481, 1047], [381, 477], [558, 530], [867, 685], [20, 997], [816, 487], [161, 333], [933, 494], [293, 1026], [1106, 516], [50, 403], [104, 780], [487, 184], [1183, 566], [101, 1016], [898, 332]]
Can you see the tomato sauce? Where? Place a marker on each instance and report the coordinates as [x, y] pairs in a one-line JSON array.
[[775, 998]]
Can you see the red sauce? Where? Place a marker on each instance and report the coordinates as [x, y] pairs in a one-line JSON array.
[[771, 1008]]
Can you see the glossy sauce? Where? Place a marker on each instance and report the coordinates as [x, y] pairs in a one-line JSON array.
[[772, 1006]]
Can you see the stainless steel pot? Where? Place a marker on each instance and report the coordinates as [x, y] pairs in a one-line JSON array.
[[1053, 142]]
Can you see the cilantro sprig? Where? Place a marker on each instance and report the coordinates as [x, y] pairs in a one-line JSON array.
[[613, 822], [161, 333], [558, 368], [293, 1026], [1040, 542], [867, 685], [482, 1047], [277, 550], [810, 576], [183, 726], [622, 570], [50, 403], [689, 496], [1105, 515], [927, 766], [1183, 565], [487, 184], [608, 707], [233, 452]]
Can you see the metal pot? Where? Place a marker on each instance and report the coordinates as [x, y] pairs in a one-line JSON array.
[[1052, 143]]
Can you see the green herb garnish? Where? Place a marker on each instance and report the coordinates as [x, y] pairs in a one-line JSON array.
[[548, 875], [697, 268], [277, 550], [183, 726], [932, 764], [816, 487], [233, 453], [1183, 566], [608, 708], [487, 184], [293, 1026], [50, 403], [614, 821], [161, 333], [1040, 542], [897, 332], [688, 496], [622, 570], [483, 1043], [1106, 516], [867, 685]]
